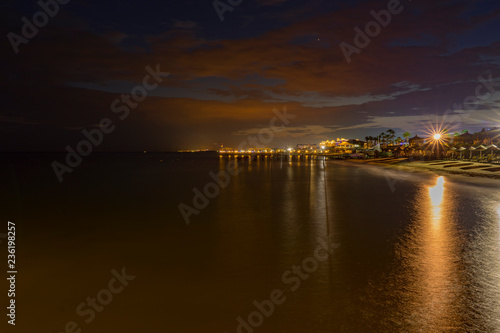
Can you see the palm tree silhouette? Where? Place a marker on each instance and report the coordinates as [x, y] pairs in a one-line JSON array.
[[406, 135]]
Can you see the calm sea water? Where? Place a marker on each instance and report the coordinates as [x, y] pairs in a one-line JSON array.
[[413, 252]]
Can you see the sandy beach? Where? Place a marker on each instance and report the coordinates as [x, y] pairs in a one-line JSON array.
[[470, 169]]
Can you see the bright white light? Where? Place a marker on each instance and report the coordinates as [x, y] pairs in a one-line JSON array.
[[437, 192], [322, 147], [289, 149], [437, 136]]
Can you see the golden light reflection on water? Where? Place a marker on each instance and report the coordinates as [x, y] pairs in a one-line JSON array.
[[429, 274], [318, 197], [441, 273], [446, 275], [436, 194], [447, 279]]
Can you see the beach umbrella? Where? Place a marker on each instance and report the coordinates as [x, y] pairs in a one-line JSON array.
[[492, 148], [453, 150], [481, 148], [471, 148], [461, 149]]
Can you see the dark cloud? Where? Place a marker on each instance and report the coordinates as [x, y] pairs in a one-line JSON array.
[[429, 57]]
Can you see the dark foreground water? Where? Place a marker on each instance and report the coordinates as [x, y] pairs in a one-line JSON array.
[[409, 252]]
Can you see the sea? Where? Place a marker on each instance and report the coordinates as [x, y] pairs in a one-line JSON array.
[[192, 242]]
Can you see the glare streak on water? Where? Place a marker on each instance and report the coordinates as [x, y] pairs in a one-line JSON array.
[[429, 265]]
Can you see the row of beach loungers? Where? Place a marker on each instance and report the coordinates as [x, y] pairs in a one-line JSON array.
[[485, 159], [452, 165], [465, 165]]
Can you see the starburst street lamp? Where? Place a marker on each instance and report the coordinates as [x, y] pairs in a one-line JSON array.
[[437, 137], [437, 140]]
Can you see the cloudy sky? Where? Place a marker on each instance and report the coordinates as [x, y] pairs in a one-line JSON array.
[[435, 62]]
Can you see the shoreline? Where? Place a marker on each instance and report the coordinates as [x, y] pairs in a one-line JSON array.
[[472, 170]]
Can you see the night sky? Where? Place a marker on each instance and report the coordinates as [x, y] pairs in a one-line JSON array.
[[226, 77]]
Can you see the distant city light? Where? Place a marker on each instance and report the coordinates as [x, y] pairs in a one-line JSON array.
[[437, 136]]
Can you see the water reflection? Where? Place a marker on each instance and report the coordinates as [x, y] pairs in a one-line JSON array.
[[440, 272], [427, 284], [444, 277], [436, 194], [483, 268]]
